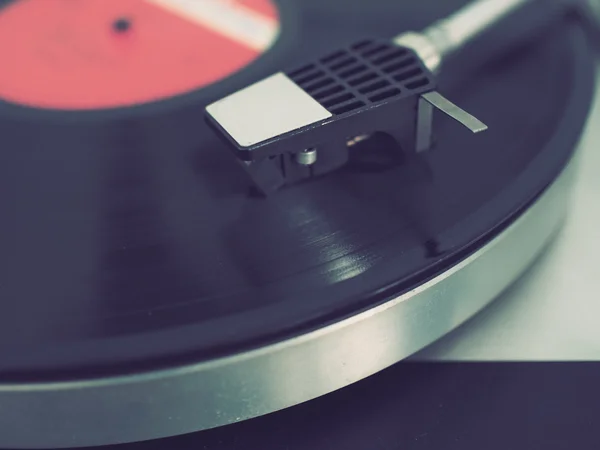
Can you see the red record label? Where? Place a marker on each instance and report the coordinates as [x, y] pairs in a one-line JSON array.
[[88, 54]]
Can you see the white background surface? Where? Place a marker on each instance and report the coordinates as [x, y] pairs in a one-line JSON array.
[[553, 311]]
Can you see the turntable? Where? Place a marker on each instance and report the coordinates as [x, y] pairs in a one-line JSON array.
[[230, 219]]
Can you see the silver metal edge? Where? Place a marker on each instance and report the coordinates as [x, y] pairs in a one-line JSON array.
[[182, 400]]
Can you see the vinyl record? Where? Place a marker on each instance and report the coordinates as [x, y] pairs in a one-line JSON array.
[[134, 246]]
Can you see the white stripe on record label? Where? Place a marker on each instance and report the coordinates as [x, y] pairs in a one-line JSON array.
[[231, 19]]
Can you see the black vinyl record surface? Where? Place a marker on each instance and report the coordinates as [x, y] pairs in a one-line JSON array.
[[130, 238]]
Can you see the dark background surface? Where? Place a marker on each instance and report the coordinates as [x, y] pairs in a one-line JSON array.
[[433, 406]]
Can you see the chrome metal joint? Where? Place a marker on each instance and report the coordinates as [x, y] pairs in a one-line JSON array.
[[423, 46]]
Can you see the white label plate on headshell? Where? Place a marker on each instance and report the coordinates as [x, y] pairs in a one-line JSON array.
[[265, 110]]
